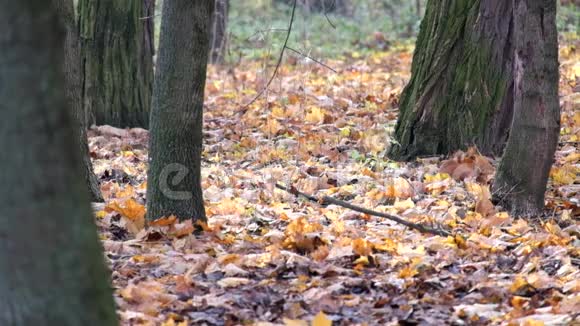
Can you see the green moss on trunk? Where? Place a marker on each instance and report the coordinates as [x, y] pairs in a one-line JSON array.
[[117, 61], [460, 88]]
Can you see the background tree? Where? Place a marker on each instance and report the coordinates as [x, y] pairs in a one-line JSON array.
[[461, 87], [219, 24], [52, 270], [173, 186], [118, 64], [73, 79], [523, 172]]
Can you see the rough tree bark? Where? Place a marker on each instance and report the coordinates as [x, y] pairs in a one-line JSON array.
[[175, 145], [523, 172], [51, 264], [73, 79], [219, 24], [117, 61], [461, 87]]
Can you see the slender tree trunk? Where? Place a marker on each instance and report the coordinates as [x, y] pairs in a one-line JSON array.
[[51, 264], [148, 18], [461, 87], [175, 146], [73, 79], [523, 172], [219, 23], [117, 61]]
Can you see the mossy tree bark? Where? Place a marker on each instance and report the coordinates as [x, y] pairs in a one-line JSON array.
[[175, 146], [117, 61], [461, 87], [523, 172], [51, 264], [73, 79], [219, 24]]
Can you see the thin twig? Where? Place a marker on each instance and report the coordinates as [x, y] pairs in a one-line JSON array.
[[264, 31], [326, 200], [244, 109], [326, 14], [311, 58], [149, 17], [329, 21]]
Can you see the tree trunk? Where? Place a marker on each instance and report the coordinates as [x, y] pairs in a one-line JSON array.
[[175, 145], [461, 87], [149, 33], [523, 172], [73, 78], [219, 23], [52, 270], [117, 61]]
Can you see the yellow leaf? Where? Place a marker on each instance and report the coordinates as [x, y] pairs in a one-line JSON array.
[[437, 177], [533, 322], [315, 115], [564, 175], [131, 210], [574, 157], [100, 214], [519, 282], [321, 320], [408, 271], [294, 322], [403, 205], [481, 192]]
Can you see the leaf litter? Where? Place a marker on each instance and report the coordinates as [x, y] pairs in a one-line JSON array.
[[267, 257]]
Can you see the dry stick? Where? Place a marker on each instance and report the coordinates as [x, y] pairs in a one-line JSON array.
[[325, 200], [245, 108]]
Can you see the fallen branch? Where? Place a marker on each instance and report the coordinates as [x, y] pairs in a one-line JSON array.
[[326, 200]]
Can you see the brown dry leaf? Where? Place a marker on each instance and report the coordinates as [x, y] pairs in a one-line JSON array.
[[399, 188], [133, 212], [164, 221], [485, 207], [362, 247]]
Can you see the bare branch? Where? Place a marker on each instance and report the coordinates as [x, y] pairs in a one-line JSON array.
[[311, 58], [326, 200], [284, 47]]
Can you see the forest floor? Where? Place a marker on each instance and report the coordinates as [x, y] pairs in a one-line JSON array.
[[269, 258]]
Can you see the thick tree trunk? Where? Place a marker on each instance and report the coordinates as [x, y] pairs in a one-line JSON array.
[[51, 264], [523, 172], [73, 79], [175, 146], [219, 23], [117, 61], [461, 87]]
